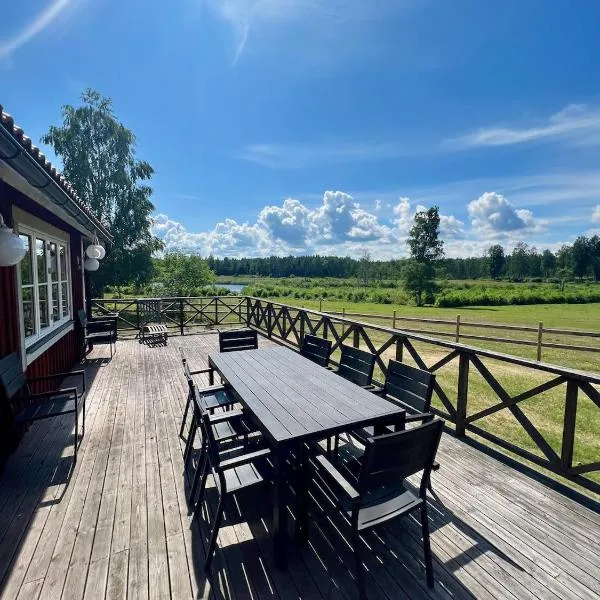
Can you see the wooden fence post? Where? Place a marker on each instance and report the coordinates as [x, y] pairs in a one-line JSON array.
[[462, 395], [457, 336], [248, 301], [181, 319], [394, 320], [270, 319], [320, 304], [302, 325], [539, 340], [356, 337], [568, 439]]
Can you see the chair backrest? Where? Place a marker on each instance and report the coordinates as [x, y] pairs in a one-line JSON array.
[[12, 377], [316, 349], [150, 311], [208, 439], [82, 318], [239, 339], [356, 365], [411, 387], [392, 457]]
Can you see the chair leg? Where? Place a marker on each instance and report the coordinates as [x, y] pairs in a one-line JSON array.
[[76, 437], [200, 468], [426, 546], [189, 445], [215, 532], [185, 415], [360, 572], [203, 478]]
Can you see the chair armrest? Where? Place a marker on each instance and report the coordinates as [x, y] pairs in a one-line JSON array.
[[238, 461], [225, 416], [52, 394], [78, 373], [337, 477], [202, 371], [209, 389], [423, 417]]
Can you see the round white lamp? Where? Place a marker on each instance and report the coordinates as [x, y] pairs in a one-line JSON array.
[[91, 264], [95, 250], [12, 249]]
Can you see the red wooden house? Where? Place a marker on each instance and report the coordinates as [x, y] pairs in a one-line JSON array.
[[40, 296]]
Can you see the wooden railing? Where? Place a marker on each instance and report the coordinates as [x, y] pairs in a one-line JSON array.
[[181, 315], [479, 391]]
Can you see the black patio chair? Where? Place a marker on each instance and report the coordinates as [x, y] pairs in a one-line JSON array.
[[408, 387], [233, 471], [357, 366], [229, 425], [28, 407], [377, 494], [97, 331], [316, 349], [217, 398], [238, 339]]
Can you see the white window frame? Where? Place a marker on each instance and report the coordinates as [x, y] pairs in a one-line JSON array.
[[35, 228]]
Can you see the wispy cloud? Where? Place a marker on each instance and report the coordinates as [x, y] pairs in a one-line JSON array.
[[296, 156], [577, 123], [254, 19], [40, 22]]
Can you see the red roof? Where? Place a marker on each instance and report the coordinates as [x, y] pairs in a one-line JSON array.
[[18, 134]]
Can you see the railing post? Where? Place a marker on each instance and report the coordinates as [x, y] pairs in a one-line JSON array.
[[248, 301], [462, 395], [539, 340], [137, 312], [394, 321], [270, 319], [302, 315], [356, 337], [343, 323], [457, 336], [181, 319], [325, 324], [399, 348], [216, 310], [569, 424]]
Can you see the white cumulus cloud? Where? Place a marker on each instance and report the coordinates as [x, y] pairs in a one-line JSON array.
[[596, 214]]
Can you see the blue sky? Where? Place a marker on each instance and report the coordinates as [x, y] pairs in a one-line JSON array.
[[279, 126]]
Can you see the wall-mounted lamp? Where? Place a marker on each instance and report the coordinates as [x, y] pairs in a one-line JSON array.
[[91, 264], [95, 250], [12, 249]]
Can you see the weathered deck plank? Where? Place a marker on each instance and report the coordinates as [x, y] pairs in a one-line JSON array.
[[120, 526]]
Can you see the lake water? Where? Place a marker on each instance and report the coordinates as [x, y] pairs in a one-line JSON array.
[[233, 287]]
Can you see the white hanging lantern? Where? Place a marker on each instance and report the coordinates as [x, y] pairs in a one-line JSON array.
[[91, 264], [12, 249], [95, 250]]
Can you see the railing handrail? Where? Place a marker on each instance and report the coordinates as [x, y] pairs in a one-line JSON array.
[[493, 354]]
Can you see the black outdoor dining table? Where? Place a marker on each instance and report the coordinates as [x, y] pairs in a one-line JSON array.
[[293, 400]]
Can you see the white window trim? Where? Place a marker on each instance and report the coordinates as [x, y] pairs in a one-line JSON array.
[[29, 225]]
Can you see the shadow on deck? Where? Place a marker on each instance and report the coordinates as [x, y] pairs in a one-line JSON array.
[[117, 525]]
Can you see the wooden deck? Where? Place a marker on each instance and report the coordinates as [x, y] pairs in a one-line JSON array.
[[117, 526]]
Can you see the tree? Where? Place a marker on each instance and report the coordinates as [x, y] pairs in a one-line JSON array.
[[98, 155], [425, 248], [364, 268], [518, 267], [548, 263], [182, 274], [581, 256], [594, 247], [495, 255], [423, 237]]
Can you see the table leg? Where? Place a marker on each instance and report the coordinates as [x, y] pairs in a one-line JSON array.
[[280, 509], [302, 520]]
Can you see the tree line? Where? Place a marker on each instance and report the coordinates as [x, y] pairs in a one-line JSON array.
[[577, 261]]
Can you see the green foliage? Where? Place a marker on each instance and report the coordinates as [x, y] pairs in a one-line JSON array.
[[98, 155], [495, 260], [423, 238], [183, 274], [418, 281]]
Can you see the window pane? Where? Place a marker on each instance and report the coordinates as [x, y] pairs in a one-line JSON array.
[[65, 299], [43, 304], [28, 316], [26, 270], [40, 252], [55, 306], [53, 262], [62, 253]]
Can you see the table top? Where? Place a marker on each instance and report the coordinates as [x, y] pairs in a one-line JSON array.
[[293, 399]]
